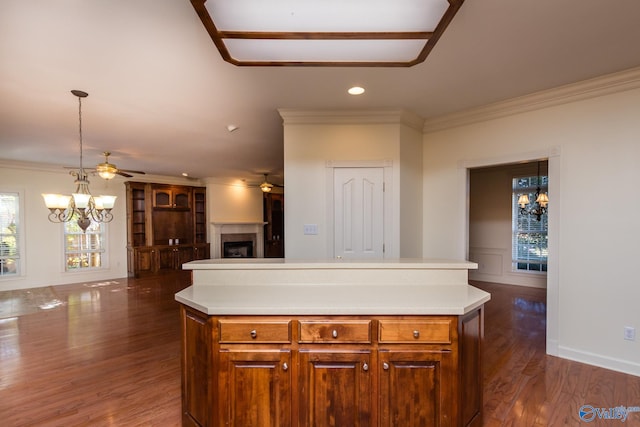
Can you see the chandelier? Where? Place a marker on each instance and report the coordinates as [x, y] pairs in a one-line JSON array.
[[539, 207], [80, 205]]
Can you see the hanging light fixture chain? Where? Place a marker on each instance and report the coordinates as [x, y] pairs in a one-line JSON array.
[[80, 130]]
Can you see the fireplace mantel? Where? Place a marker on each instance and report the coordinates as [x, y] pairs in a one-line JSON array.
[[236, 227]]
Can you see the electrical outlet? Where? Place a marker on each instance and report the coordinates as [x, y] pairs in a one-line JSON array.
[[629, 333]]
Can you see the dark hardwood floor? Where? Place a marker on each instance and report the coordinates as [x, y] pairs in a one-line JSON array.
[[107, 354]]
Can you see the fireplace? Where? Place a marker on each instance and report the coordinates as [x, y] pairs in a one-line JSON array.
[[242, 249], [237, 240]]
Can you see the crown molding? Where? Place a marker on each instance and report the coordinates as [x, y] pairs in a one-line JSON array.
[[598, 86], [374, 116]]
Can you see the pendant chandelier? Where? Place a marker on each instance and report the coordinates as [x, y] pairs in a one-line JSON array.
[[539, 207], [80, 205]]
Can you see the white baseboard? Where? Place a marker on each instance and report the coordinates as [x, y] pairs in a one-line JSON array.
[[614, 364]]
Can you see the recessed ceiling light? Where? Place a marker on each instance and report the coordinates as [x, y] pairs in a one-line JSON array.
[[185, 174], [231, 128], [356, 90]]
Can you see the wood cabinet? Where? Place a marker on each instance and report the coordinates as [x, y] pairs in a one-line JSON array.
[[171, 197], [322, 371], [274, 227], [166, 227]]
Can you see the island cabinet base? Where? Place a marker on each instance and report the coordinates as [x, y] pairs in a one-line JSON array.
[[321, 371]]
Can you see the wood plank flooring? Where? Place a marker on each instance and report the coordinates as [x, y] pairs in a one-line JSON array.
[[524, 386], [107, 354]]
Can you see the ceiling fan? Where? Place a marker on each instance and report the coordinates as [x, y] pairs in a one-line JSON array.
[[267, 186], [108, 170]]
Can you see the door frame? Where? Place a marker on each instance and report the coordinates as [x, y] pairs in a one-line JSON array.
[[390, 250], [553, 260]]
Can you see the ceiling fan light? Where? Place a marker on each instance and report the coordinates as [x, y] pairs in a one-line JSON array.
[[106, 170], [266, 187]]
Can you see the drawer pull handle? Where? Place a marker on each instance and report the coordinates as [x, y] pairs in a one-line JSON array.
[[365, 367], [385, 366], [253, 333], [285, 367], [334, 333], [416, 334]]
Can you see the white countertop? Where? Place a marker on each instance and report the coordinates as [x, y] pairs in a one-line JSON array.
[[332, 264], [259, 286], [328, 299]]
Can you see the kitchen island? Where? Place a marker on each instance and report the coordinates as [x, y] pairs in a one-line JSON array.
[[331, 343]]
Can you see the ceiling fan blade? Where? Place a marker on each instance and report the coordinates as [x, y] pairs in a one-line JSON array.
[[121, 173], [130, 171]]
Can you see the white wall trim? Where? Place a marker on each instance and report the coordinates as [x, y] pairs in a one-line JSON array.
[[599, 360], [373, 116], [553, 273], [598, 86]]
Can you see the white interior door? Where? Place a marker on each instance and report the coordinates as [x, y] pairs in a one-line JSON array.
[[358, 212]]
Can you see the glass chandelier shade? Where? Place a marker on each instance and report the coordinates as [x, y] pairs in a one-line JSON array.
[[80, 205], [539, 207]]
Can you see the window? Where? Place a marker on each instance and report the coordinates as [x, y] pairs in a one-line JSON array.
[[9, 234], [84, 250], [529, 245]]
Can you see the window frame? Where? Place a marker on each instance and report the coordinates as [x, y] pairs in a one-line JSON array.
[[20, 233], [102, 250]]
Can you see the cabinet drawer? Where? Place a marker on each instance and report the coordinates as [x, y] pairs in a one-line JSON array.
[[415, 331], [354, 331], [240, 331]]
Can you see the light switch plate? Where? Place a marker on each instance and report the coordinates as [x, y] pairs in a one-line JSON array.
[[310, 229]]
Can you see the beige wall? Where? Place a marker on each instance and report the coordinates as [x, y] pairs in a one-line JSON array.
[[42, 255], [233, 202], [315, 140], [593, 149]]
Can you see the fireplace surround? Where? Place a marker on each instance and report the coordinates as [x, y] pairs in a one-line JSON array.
[[242, 239]]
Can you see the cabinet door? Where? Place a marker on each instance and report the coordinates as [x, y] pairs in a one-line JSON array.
[[197, 371], [201, 251], [274, 229], [335, 389], [162, 198], [166, 258], [255, 388], [182, 197], [144, 260], [184, 254], [416, 388]]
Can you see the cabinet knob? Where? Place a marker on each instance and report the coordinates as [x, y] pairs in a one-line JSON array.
[[253, 333], [416, 334], [385, 366], [365, 367], [285, 367], [334, 333]]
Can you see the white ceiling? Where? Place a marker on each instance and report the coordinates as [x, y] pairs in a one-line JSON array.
[[161, 97]]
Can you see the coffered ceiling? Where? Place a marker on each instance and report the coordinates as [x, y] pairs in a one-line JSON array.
[[161, 97]]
